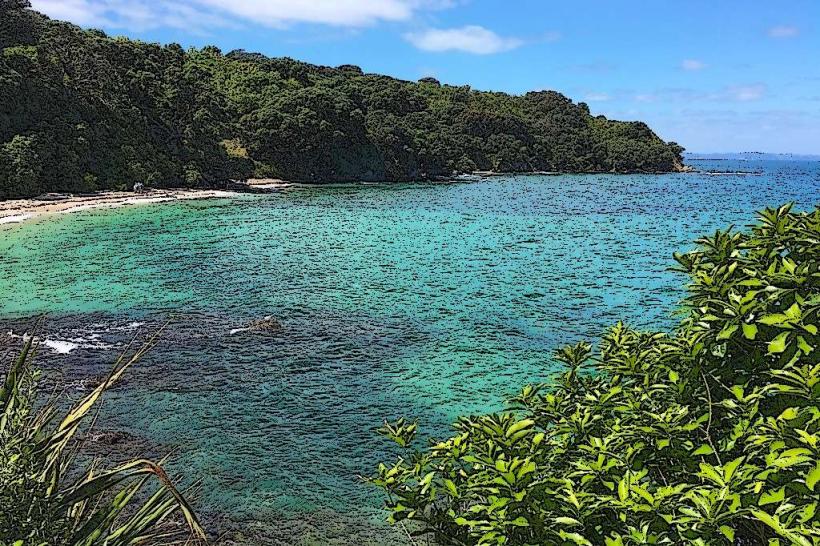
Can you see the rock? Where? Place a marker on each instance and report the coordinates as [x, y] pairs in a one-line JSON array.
[[110, 438], [120, 446], [265, 324]]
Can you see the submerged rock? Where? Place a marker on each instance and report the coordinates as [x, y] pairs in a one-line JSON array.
[[120, 446], [110, 437], [265, 324]]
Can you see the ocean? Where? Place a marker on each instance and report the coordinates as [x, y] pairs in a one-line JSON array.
[[421, 300]]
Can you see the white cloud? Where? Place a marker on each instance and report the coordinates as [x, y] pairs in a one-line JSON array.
[[732, 93], [200, 14], [746, 93], [81, 12], [330, 12], [552, 36], [597, 97], [596, 67], [783, 31], [470, 39], [692, 64]]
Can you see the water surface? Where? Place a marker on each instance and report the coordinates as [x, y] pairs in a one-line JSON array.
[[422, 300]]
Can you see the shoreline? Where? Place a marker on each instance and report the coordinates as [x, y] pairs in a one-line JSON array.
[[16, 211]]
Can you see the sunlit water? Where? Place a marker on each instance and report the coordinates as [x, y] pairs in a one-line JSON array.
[[421, 300]]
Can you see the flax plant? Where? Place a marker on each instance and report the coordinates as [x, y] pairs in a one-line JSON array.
[[49, 497]]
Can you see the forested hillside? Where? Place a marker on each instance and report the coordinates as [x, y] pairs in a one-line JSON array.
[[80, 111]]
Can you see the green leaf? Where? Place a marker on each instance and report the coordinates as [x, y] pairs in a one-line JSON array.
[[813, 476], [738, 391], [451, 488], [574, 537], [705, 449], [614, 541], [803, 345], [793, 312], [778, 344], [730, 468], [769, 520], [709, 472], [774, 523], [775, 319], [427, 479], [623, 489], [519, 425], [727, 331], [728, 532], [749, 331], [772, 496]]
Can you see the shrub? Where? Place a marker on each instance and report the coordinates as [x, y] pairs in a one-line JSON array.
[[46, 500], [704, 435]]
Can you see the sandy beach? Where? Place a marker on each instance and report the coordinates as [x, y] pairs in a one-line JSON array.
[[20, 210]]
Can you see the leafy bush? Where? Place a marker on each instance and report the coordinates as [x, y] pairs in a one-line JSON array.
[[705, 435], [45, 500]]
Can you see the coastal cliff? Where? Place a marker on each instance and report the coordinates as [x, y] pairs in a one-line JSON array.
[[81, 111]]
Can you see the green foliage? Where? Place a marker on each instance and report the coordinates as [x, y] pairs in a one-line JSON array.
[[46, 500], [20, 166], [706, 435], [100, 112]]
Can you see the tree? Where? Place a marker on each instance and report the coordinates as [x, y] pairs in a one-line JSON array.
[[20, 168], [116, 111], [8, 5]]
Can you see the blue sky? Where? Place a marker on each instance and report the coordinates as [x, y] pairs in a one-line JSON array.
[[718, 75]]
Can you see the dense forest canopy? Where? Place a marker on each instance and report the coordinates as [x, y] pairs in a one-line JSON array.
[[81, 111]]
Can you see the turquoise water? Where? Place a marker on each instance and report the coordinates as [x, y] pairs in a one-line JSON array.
[[421, 300]]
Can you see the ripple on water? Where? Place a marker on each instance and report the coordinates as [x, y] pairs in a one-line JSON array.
[[422, 300]]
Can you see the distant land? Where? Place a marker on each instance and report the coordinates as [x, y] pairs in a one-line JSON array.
[[81, 112], [749, 156]]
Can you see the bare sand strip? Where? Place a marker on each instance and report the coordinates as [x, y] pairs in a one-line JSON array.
[[20, 210]]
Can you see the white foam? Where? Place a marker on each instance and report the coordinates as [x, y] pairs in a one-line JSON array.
[[83, 338], [126, 327], [91, 342], [15, 218], [60, 347]]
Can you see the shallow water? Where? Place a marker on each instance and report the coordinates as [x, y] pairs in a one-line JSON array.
[[422, 300]]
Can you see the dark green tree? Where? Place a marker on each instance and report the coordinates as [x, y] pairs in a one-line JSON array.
[[109, 112]]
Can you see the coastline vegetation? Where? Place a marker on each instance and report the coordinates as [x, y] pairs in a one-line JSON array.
[[49, 498], [81, 111], [709, 434]]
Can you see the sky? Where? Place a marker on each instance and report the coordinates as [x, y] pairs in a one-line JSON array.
[[714, 76]]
